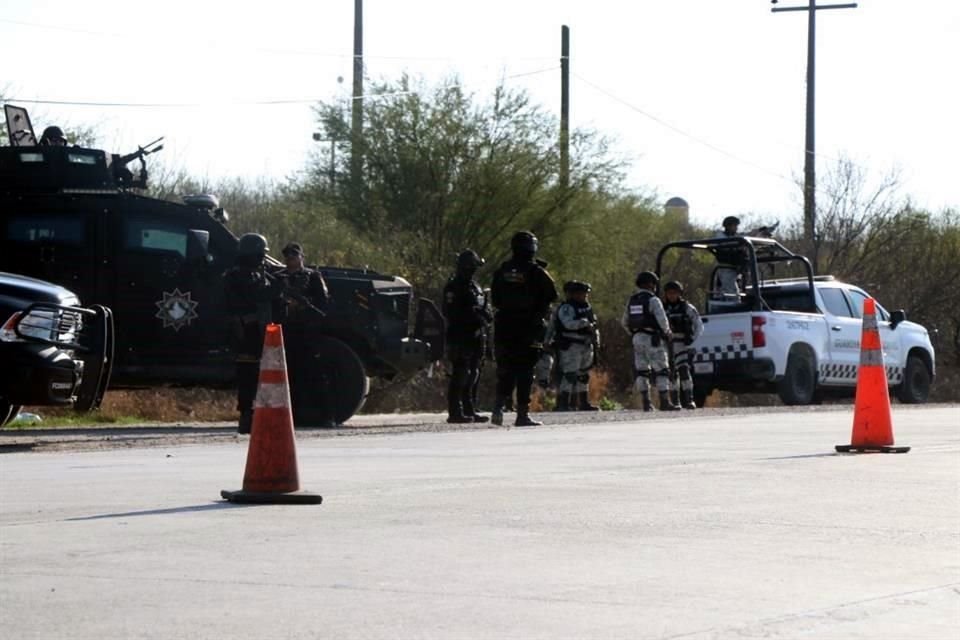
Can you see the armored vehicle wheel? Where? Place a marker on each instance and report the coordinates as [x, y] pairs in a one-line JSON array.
[[915, 388], [333, 384], [799, 382]]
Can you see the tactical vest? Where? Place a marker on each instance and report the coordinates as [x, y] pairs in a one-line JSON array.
[[515, 296], [583, 311], [679, 319], [639, 317]]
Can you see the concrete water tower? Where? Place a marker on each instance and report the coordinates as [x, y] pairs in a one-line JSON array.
[[678, 207]]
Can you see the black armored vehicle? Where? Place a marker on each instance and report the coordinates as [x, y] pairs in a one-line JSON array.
[[73, 216]]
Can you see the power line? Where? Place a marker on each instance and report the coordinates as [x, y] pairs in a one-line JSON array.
[[176, 105], [681, 132], [267, 50]]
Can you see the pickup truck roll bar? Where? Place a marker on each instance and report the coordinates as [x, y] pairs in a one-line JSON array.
[[756, 251]]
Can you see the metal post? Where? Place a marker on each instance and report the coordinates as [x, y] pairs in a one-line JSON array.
[[356, 129], [809, 153], [564, 107]]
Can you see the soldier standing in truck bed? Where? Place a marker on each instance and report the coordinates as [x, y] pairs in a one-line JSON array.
[[250, 296]]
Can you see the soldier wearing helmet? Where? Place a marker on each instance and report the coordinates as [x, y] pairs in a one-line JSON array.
[[250, 294], [468, 318], [686, 326], [576, 339], [647, 321], [522, 293], [53, 137]]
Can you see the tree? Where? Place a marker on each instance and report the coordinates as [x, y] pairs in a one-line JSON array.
[[443, 172]]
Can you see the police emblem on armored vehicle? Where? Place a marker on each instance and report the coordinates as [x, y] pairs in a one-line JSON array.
[[176, 310]]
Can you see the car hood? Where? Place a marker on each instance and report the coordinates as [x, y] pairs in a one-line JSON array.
[[16, 292]]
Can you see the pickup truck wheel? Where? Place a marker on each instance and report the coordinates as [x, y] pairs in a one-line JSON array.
[[331, 386], [915, 388], [799, 383]]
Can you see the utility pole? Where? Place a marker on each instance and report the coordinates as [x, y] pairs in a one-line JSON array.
[[809, 158], [564, 107], [356, 129]]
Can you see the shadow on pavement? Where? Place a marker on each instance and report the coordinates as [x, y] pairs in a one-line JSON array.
[[805, 455], [213, 506]]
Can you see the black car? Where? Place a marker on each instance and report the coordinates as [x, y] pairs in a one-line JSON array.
[[52, 350]]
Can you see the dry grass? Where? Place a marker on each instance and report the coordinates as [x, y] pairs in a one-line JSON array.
[[159, 404], [423, 392]]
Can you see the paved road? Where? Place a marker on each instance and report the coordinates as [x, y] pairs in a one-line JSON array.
[[712, 527]]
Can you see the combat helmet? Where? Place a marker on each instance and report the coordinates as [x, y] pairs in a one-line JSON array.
[[252, 245], [524, 242], [647, 279], [468, 259], [576, 286], [674, 285]]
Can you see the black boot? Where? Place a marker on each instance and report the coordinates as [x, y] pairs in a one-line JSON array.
[[583, 399], [665, 403], [563, 401], [246, 422], [470, 412], [524, 419], [686, 399], [455, 413], [647, 405], [496, 417]]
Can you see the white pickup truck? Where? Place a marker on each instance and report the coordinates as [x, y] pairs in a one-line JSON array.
[[799, 337]]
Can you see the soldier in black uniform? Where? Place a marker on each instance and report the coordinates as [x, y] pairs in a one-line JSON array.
[[468, 317], [522, 293], [250, 294], [305, 297]]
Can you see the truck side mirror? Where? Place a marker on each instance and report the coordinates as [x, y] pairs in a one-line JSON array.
[[198, 246], [896, 317]]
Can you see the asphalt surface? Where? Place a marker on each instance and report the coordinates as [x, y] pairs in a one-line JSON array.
[[742, 524]]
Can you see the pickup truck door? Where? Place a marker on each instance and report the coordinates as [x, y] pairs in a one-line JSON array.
[[892, 353], [843, 329]]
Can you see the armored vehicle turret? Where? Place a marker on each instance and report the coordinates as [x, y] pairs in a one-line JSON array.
[[73, 216]]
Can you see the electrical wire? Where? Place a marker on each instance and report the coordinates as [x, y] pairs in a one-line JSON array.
[[681, 132], [267, 50], [152, 105]]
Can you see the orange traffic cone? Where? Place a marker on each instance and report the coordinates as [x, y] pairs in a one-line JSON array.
[[872, 425], [271, 474]]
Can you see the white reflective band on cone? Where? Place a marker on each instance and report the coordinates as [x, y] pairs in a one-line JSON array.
[[870, 322], [272, 358], [272, 396], [871, 358]]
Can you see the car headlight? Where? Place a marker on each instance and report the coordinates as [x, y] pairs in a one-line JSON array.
[[42, 324]]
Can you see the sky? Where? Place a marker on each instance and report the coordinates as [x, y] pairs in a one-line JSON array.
[[705, 98]]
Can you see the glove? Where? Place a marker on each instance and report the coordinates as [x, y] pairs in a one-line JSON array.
[[688, 341]]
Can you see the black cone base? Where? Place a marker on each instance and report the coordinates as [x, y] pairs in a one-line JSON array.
[[849, 448], [256, 497]]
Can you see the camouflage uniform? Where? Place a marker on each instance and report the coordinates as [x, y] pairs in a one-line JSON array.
[[645, 318]]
